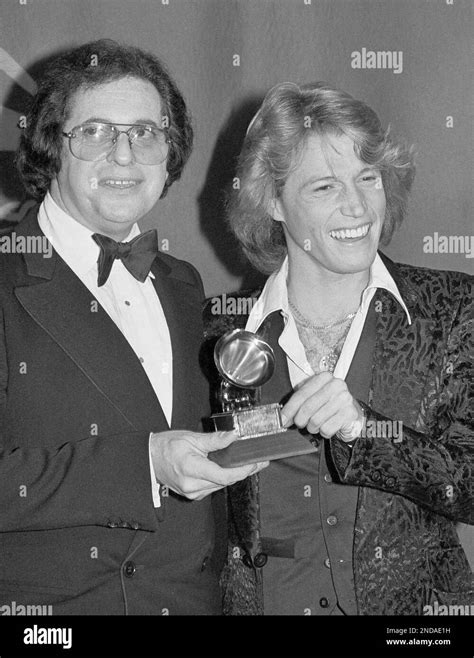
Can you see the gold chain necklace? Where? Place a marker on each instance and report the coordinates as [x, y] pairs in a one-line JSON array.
[[322, 343], [309, 323]]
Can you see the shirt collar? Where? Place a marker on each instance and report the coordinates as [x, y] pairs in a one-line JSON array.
[[380, 277], [274, 295], [70, 239]]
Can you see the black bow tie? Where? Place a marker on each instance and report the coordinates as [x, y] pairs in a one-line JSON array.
[[137, 255]]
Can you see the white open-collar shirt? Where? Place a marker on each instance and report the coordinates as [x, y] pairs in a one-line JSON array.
[[274, 297]]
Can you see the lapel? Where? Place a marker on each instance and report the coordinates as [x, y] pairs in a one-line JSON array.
[[359, 377], [399, 379], [183, 311], [58, 302]]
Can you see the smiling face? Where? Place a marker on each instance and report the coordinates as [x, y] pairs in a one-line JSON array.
[[110, 195], [332, 207]]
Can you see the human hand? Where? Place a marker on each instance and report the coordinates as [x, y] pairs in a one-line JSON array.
[[180, 462], [324, 404]]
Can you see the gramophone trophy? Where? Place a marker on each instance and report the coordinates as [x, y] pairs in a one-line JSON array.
[[245, 363]]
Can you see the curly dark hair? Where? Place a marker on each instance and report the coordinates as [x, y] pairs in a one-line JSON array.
[[38, 157], [276, 136]]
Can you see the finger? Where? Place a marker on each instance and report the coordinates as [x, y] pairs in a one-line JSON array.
[[210, 471], [243, 472], [331, 426], [207, 473], [198, 488], [203, 488], [260, 466], [335, 393], [305, 391], [342, 417], [312, 407], [215, 440], [205, 492], [335, 406]]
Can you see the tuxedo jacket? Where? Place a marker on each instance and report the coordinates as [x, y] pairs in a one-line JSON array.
[[398, 498], [78, 529]]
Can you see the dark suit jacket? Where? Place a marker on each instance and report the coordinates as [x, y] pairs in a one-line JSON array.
[[408, 493], [78, 529]]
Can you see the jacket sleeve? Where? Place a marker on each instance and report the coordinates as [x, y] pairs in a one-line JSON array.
[[78, 483], [95, 481], [435, 469]]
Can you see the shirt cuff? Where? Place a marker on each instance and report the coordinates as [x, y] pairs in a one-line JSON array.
[[155, 487]]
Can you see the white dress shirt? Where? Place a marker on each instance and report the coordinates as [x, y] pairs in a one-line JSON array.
[[133, 306], [274, 297]]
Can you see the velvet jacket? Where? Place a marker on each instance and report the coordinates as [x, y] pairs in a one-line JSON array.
[[410, 492]]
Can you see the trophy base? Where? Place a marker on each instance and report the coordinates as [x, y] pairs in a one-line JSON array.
[[279, 445], [250, 423]]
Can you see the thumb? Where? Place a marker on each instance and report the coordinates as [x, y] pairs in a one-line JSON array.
[[217, 440]]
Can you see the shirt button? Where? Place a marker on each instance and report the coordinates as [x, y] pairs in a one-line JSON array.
[[129, 569], [327, 563], [331, 520], [324, 603], [327, 478], [142, 360], [127, 302]]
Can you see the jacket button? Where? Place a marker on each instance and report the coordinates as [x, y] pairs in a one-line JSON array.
[[331, 520], [390, 482], [247, 560], [376, 475], [327, 478], [327, 563], [129, 569], [112, 524], [204, 563], [260, 560], [324, 603]]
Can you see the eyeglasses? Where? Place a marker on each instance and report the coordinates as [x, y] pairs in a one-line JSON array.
[[95, 141]]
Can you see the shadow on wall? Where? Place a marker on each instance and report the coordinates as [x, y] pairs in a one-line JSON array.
[[217, 189]]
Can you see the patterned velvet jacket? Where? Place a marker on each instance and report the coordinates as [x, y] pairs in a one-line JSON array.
[[411, 492]]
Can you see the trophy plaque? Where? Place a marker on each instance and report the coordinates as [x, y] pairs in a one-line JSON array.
[[245, 363]]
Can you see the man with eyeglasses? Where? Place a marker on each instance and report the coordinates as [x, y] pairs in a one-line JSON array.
[[104, 479]]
